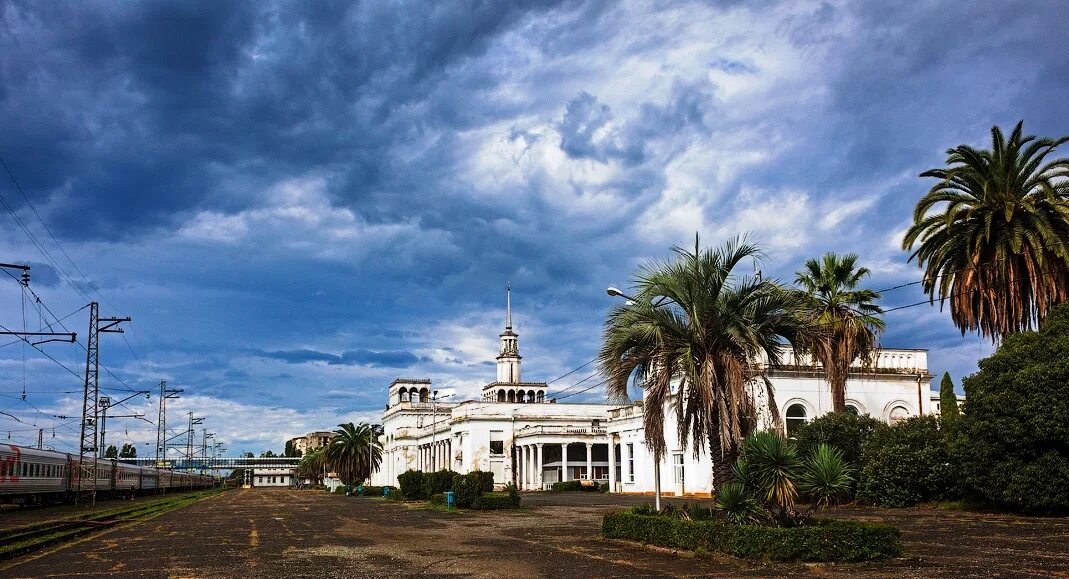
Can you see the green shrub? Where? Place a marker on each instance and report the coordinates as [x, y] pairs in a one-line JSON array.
[[948, 400], [603, 487], [820, 541], [484, 480], [1010, 445], [339, 490], [411, 483], [468, 487], [437, 482], [370, 491], [737, 504], [438, 499], [567, 486], [906, 464], [492, 501], [843, 431], [644, 509], [396, 495]]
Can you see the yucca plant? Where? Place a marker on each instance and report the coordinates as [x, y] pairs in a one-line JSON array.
[[738, 504], [827, 478], [771, 467]]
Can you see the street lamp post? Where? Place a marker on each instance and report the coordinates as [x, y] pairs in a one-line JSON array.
[[614, 292]]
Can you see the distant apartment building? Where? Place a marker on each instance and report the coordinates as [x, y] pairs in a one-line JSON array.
[[311, 441]]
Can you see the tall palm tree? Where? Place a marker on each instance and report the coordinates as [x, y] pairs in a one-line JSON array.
[[848, 315], [699, 338], [312, 465], [993, 234], [355, 452]]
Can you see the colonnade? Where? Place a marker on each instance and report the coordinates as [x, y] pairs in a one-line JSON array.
[[529, 466], [435, 456]]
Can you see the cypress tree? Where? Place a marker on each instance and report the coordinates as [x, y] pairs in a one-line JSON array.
[[948, 400]]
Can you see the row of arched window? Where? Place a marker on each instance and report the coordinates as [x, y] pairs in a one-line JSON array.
[[797, 414], [513, 395], [413, 395]]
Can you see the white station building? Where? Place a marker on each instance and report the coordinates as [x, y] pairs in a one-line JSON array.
[[516, 431]]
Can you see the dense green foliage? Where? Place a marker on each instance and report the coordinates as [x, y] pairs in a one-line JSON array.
[[572, 486], [737, 504], [437, 482], [438, 499], [906, 464], [948, 399], [411, 483], [493, 501], [843, 431], [1011, 443], [372, 491], [128, 451], [467, 488], [821, 541]]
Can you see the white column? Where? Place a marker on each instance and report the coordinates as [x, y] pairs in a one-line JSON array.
[[564, 462], [612, 465], [625, 459], [530, 467], [538, 467], [590, 461], [522, 473]]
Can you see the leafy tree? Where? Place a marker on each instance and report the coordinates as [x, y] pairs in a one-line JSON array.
[[906, 464], [291, 450], [848, 315], [248, 455], [843, 431], [993, 234], [267, 454], [698, 324], [948, 399], [128, 451], [111, 452], [355, 452], [1011, 442]]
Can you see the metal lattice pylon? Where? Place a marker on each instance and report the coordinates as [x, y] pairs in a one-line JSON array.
[[87, 463], [86, 476]]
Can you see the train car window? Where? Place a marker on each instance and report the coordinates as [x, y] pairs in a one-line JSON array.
[[25, 469]]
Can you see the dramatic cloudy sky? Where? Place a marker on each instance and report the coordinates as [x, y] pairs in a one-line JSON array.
[[298, 202]]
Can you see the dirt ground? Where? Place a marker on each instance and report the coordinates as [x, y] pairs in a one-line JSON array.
[[285, 533]]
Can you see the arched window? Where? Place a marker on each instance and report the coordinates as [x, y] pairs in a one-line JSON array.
[[423, 395], [512, 395], [898, 414], [541, 396], [501, 395], [530, 395], [796, 416], [521, 396], [402, 395], [851, 409]]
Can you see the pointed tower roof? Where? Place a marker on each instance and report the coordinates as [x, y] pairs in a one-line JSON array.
[[508, 307]]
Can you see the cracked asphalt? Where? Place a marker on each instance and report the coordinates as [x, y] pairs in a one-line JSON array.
[[286, 533]]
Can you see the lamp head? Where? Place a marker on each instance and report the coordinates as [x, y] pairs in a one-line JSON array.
[[614, 292]]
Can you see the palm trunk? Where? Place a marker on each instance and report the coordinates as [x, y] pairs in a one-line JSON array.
[[723, 462]]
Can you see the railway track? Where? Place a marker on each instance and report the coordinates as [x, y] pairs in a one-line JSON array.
[[23, 540]]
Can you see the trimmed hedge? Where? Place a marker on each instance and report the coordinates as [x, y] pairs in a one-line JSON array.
[[468, 487], [822, 541], [411, 483], [906, 464], [438, 499], [573, 486], [437, 482], [396, 495], [494, 501], [370, 491]]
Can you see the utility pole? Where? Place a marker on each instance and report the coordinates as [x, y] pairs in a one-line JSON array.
[[40, 439], [205, 435], [105, 404], [189, 441], [87, 463], [52, 336], [161, 423]]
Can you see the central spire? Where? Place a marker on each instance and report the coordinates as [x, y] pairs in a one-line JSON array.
[[508, 307]]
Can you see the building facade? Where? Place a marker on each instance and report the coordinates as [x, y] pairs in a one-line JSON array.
[[517, 432], [273, 477], [311, 441]]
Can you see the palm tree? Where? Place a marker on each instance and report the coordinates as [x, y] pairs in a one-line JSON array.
[[312, 465], [699, 338], [848, 316], [355, 452], [993, 234]]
